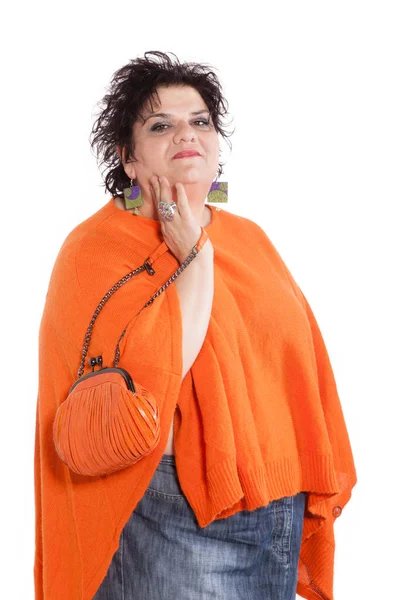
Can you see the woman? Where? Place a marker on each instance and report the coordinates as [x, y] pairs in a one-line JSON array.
[[254, 464]]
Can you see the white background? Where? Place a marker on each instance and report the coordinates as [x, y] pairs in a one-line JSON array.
[[313, 89]]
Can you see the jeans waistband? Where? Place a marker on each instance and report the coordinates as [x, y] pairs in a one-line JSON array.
[[168, 458]]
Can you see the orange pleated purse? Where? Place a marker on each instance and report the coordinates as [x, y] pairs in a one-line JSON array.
[[108, 422]]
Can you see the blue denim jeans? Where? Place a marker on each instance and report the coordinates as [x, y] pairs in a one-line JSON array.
[[164, 555]]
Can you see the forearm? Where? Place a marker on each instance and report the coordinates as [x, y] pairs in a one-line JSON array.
[[195, 286]]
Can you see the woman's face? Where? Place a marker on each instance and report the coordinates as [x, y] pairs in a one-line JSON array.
[[185, 125]]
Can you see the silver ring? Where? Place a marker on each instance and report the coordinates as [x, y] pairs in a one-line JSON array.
[[166, 210]]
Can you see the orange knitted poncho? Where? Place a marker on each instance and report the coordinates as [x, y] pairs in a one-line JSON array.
[[258, 415]]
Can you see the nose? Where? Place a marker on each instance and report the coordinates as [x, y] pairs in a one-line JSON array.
[[184, 133]]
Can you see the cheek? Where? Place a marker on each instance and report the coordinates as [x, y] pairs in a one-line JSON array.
[[215, 155], [212, 149], [150, 153]]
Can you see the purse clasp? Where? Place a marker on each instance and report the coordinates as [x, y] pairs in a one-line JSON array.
[[95, 360]]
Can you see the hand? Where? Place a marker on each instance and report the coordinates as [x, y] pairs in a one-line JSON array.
[[182, 233]]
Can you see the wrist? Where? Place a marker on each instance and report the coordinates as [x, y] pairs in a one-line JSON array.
[[203, 241]]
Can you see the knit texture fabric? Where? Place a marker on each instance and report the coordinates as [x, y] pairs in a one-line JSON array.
[[257, 417]]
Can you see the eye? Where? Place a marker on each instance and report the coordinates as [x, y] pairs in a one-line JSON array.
[[159, 127], [203, 122]]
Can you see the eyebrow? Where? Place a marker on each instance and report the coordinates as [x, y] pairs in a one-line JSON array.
[[167, 115]]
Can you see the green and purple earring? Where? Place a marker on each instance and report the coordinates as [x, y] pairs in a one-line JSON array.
[[218, 192], [133, 197]]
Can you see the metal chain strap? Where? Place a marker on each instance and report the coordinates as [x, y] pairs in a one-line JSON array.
[[183, 266], [146, 266]]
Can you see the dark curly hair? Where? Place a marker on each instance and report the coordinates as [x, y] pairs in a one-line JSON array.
[[130, 87]]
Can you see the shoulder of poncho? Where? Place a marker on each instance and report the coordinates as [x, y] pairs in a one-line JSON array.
[[96, 242], [90, 260], [250, 233], [248, 229]]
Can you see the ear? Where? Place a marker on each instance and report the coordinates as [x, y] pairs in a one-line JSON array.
[[128, 167]]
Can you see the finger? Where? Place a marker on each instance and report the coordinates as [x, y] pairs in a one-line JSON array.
[[165, 189], [181, 199], [155, 188]]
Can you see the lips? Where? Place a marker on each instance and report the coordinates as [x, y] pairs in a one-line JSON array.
[[186, 153]]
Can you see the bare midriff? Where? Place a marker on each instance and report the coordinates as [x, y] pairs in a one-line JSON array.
[[169, 448]]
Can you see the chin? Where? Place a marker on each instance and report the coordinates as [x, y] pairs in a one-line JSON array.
[[191, 175]]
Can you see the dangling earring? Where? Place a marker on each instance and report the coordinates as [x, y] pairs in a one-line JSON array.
[[133, 197], [218, 192]]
